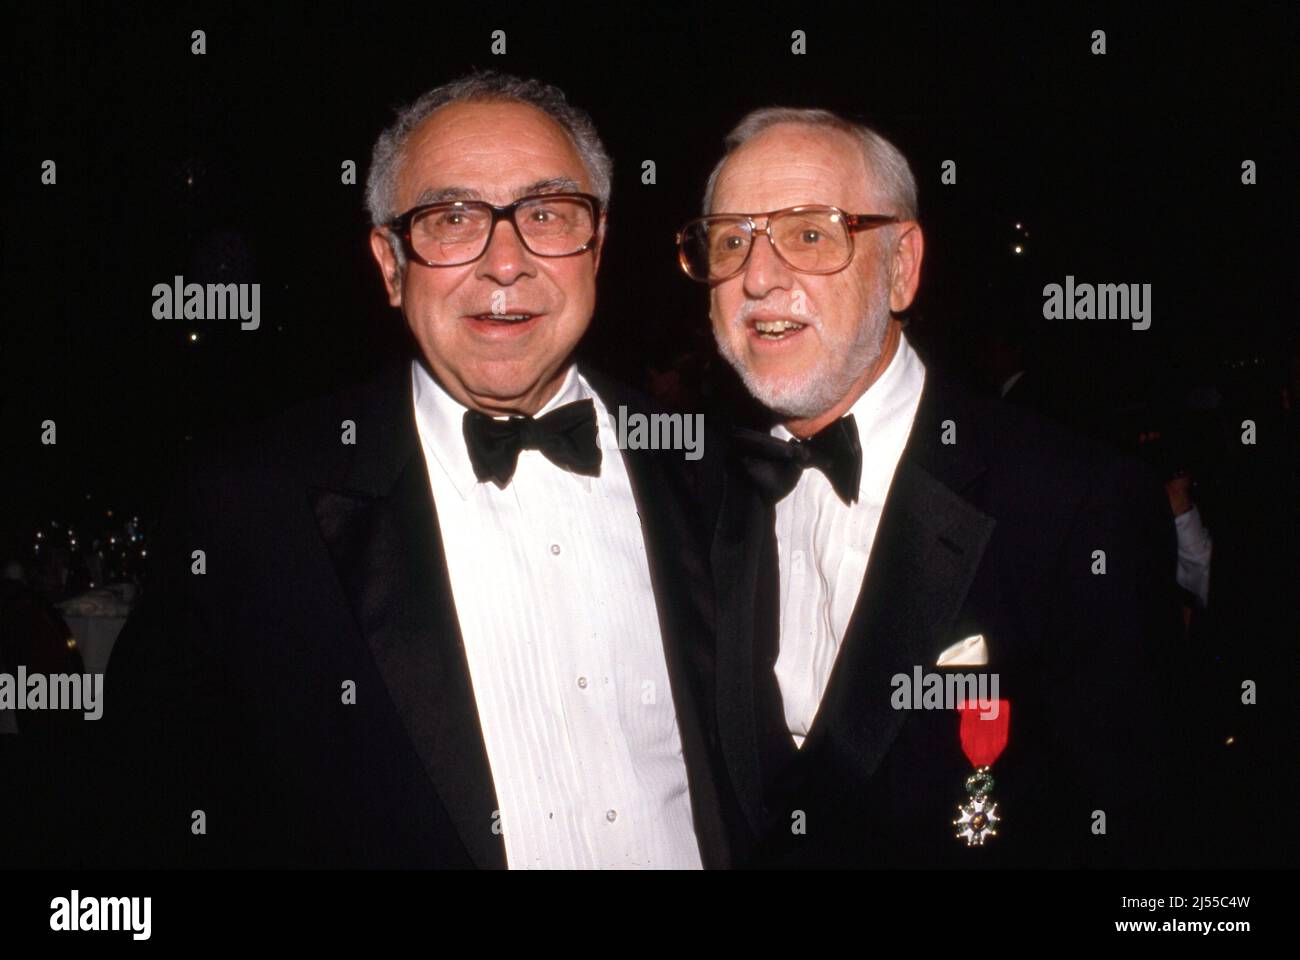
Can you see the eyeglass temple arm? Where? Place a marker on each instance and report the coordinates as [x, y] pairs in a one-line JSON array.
[[866, 221]]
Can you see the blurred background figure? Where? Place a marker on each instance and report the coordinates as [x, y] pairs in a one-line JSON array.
[[32, 634]]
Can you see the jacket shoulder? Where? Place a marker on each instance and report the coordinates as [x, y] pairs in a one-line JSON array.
[[1010, 439], [315, 439]]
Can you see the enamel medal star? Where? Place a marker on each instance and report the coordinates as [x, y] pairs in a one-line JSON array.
[[984, 729]]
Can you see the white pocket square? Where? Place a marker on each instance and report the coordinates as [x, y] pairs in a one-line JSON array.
[[971, 652]]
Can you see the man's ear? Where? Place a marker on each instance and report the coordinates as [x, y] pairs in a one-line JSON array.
[[600, 244], [905, 266], [389, 268]]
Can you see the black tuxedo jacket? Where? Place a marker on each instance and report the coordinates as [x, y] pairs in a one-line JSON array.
[[994, 534], [324, 568]]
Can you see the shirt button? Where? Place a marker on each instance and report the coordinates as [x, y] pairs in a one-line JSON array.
[[797, 556], [555, 549], [582, 683], [611, 815]]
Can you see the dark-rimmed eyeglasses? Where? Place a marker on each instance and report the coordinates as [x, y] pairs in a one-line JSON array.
[[456, 232], [812, 238]]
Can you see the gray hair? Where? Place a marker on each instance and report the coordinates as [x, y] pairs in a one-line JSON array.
[[482, 86], [894, 187]]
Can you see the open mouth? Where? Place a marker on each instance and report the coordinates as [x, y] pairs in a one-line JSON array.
[[504, 319], [776, 329]]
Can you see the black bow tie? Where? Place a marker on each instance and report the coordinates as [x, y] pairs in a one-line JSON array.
[[776, 465], [566, 436]]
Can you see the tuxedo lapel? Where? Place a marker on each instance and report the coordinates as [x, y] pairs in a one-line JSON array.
[[737, 564], [382, 533], [924, 558]]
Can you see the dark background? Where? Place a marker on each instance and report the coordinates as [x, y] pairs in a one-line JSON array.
[[1123, 168], [226, 167]]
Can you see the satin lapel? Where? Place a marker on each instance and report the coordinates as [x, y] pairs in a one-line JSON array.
[[737, 551], [382, 533]]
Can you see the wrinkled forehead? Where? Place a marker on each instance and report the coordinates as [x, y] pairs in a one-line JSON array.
[[791, 164], [495, 151]]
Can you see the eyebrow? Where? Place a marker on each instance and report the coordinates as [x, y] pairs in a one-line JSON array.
[[548, 185]]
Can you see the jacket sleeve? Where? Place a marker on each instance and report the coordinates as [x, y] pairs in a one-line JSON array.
[[165, 757]]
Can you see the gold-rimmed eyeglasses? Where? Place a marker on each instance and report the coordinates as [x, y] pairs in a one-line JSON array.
[[813, 238]]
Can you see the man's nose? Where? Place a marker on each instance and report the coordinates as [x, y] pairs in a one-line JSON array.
[[764, 271], [506, 258]]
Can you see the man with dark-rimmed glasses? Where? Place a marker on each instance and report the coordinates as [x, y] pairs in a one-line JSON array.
[[892, 535], [446, 620]]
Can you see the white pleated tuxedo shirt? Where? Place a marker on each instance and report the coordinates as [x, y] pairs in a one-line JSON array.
[[824, 546], [561, 632]]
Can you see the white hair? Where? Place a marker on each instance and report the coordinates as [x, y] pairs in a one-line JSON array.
[[894, 186], [488, 86]]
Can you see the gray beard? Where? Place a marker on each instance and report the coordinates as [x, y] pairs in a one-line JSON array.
[[841, 363]]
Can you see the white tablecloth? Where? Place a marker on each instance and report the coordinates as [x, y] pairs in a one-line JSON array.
[[95, 639]]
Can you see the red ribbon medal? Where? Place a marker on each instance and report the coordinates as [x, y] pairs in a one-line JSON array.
[[984, 729]]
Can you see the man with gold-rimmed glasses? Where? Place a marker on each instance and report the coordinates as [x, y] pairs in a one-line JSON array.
[[891, 526]]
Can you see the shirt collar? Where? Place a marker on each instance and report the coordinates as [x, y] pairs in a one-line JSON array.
[[440, 419]]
